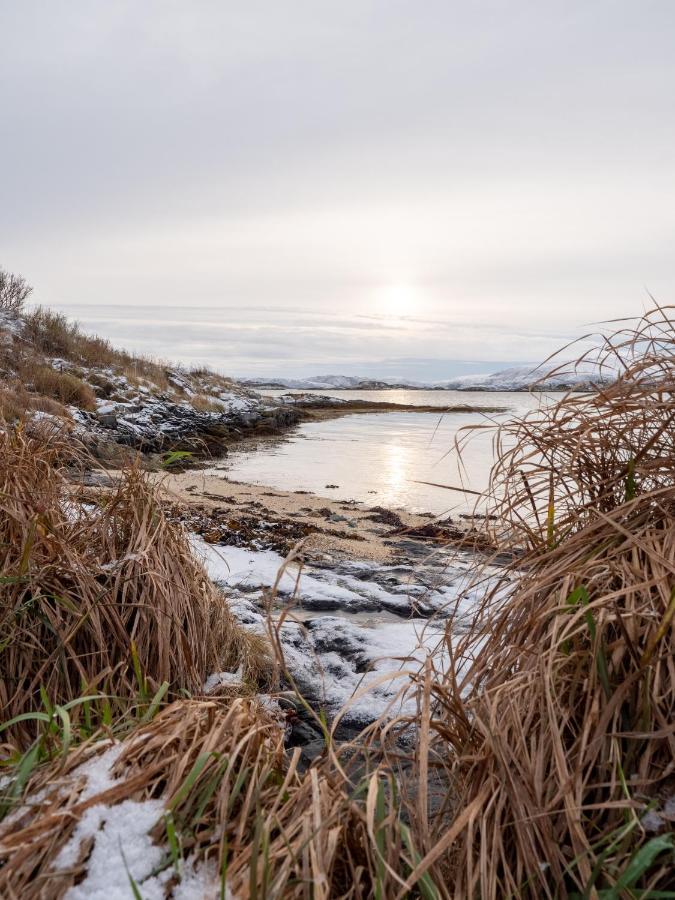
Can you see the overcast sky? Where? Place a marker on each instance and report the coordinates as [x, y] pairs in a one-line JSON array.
[[412, 188]]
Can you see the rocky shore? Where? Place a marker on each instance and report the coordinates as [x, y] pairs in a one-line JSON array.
[[367, 593], [154, 423]]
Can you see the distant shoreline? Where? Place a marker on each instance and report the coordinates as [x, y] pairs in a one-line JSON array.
[[349, 407], [532, 389]]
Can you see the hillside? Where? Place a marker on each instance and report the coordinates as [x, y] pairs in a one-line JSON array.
[[112, 399], [522, 378]]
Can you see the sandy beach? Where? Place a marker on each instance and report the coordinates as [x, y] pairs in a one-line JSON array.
[[326, 526]]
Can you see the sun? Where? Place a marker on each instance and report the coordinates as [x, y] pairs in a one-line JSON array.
[[397, 299]]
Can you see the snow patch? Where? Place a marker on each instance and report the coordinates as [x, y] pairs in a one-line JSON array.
[[223, 679]]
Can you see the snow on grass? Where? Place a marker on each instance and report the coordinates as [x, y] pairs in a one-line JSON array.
[[120, 835], [200, 882], [121, 847]]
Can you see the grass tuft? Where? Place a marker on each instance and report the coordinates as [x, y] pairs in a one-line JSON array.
[[94, 594]]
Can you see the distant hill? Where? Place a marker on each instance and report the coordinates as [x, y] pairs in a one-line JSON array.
[[521, 378]]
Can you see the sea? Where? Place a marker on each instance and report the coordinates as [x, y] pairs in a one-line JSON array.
[[398, 460]]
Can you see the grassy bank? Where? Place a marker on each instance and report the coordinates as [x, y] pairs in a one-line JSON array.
[[540, 766]]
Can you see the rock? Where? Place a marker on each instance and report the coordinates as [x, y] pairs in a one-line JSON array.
[[154, 425], [107, 417]]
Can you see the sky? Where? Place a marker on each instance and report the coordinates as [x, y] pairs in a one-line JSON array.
[[414, 189]]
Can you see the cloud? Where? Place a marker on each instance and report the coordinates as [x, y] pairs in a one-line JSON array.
[[300, 343], [511, 161]]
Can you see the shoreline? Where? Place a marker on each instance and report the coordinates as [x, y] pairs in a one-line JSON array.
[[329, 410], [227, 511]]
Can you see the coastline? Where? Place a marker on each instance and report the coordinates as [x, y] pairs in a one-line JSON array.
[[343, 529]]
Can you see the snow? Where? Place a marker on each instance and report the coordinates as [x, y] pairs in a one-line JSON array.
[[358, 669], [122, 845], [331, 382], [122, 848], [557, 377], [222, 679], [11, 322], [46, 418], [339, 660], [352, 587], [198, 882], [237, 565], [234, 403], [97, 772], [120, 835]]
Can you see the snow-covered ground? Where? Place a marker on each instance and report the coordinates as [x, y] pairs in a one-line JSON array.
[[385, 620]]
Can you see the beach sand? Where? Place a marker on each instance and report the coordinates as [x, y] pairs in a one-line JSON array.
[[341, 529]]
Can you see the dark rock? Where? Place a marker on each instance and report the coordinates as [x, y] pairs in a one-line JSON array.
[[385, 517]]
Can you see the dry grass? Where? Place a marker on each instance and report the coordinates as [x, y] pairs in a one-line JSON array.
[[16, 403], [560, 735], [203, 403], [101, 598], [61, 386], [53, 334], [528, 767], [13, 403], [232, 795]]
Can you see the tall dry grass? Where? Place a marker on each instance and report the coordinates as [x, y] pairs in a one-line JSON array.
[[53, 334], [98, 597], [61, 386], [558, 739]]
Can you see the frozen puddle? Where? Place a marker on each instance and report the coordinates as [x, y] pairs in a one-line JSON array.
[[384, 621]]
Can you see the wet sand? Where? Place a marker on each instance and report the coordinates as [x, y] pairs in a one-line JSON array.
[[336, 529]]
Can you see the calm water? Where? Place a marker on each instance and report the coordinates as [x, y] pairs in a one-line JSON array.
[[380, 458]]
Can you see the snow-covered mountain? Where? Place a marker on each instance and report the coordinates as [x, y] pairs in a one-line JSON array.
[[540, 378], [520, 378], [334, 382]]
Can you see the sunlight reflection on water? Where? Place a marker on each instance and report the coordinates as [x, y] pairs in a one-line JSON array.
[[380, 458]]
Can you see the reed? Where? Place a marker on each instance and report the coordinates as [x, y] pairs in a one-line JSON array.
[[94, 593], [558, 737]]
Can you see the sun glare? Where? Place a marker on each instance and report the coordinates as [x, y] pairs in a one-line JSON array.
[[398, 299]]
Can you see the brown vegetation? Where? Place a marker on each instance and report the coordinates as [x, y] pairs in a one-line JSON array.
[[53, 334], [14, 291], [230, 793], [90, 597], [560, 735], [62, 386], [16, 402]]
